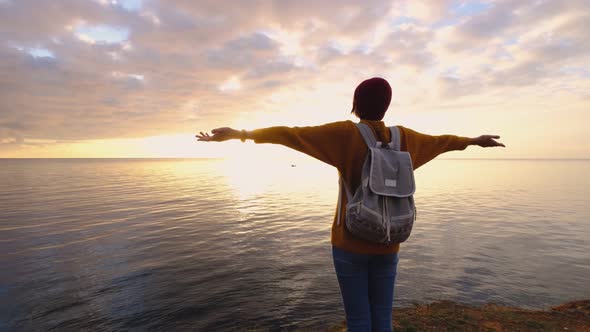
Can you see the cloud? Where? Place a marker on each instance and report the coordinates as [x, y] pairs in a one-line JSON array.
[[244, 51], [428, 11], [515, 44], [408, 45]]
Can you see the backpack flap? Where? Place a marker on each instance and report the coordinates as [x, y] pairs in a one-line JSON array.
[[391, 173]]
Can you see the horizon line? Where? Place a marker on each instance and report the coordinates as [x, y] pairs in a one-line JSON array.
[[147, 158]]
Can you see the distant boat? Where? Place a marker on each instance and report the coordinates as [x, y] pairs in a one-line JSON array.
[[293, 165]]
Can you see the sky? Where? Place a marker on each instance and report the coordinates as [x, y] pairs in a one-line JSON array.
[[139, 78]]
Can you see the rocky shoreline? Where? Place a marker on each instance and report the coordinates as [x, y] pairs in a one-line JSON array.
[[450, 316]]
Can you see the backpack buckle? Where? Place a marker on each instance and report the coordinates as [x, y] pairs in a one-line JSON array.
[[382, 145]]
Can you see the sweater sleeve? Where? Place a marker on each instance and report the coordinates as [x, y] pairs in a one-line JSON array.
[[328, 143], [423, 148]]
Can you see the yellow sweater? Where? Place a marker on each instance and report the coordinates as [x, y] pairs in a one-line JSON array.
[[341, 145]]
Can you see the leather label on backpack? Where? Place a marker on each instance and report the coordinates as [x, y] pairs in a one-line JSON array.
[[390, 183]]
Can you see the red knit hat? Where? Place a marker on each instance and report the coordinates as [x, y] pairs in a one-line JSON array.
[[371, 99]]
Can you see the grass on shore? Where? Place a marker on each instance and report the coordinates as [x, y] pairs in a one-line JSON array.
[[447, 316]]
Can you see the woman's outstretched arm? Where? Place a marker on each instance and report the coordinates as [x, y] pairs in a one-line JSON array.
[[424, 148], [327, 142]]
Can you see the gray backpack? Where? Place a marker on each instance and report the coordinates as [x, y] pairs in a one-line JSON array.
[[382, 209]]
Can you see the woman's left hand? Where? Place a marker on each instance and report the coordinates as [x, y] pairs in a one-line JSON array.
[[219, 135]]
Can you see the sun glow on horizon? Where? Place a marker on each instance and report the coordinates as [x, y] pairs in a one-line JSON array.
[[300, 108], [164, 146]]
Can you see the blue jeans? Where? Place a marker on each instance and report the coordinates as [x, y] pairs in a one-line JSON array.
[[366, 284]]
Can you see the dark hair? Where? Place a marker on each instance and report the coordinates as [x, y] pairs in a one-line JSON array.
[[371, 99]]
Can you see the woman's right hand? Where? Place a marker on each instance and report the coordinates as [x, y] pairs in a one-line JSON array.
[[219, 135], [487, 141]]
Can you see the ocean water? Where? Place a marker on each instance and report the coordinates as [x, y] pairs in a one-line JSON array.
[[223, 245]]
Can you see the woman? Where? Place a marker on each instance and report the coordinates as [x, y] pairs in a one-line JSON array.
[[365, 270]]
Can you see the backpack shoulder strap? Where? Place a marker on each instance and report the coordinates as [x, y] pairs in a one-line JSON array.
[[368, 135], [395, 138], [348, 196]]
